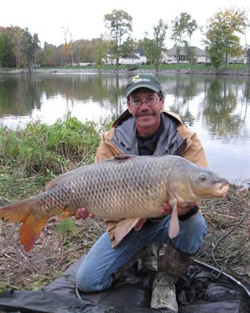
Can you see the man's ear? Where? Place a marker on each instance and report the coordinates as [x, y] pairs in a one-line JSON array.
[[129, 108], [162, 103]]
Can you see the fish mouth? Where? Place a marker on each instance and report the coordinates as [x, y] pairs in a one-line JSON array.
[[222, 189]]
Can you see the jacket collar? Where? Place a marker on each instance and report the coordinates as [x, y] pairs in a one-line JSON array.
[[170, 141]]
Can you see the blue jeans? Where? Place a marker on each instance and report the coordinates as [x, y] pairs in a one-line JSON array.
[[95, 271]]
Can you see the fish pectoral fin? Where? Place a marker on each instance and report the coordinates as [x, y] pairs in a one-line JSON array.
[[124, 227], [30, 231], [174, 227]]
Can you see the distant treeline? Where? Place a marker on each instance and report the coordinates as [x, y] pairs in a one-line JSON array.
[[19, 48]]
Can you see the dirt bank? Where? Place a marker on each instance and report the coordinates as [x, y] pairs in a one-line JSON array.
[[226, 246]]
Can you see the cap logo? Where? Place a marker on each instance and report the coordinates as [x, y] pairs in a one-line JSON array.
[[137, 79]]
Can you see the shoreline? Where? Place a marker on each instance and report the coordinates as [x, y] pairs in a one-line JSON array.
[[212, 72]]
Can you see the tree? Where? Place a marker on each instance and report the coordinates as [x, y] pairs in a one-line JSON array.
[[154, 47], [30, 47], [147, 45], [101, 51], [221, 36], [16, 35], [48, 55], [182, 27], [191, 28], [247, 51], [6, 48], [119, 23], [68, 45], [2, 48], [159, 37]]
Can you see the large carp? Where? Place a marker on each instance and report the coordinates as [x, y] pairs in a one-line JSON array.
[[122, 187]]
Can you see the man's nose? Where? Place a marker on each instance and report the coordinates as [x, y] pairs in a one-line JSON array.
[[144, 104]]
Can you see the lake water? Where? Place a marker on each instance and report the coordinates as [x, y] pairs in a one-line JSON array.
[[217, 108]]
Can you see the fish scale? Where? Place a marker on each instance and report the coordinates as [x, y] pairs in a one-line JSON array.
[[123, 187]]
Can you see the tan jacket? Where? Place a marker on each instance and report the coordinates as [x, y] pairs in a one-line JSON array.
[[108, 148]]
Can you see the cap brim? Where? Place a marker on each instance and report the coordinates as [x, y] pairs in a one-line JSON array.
[[142, 86]]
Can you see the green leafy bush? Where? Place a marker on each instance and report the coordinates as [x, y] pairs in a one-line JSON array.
[[44, 149]]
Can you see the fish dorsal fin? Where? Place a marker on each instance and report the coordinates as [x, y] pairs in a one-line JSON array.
[[62, 177], [122, 157], [174, 227], [55, 181]]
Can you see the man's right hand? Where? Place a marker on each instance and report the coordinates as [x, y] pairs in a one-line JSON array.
[[83, 213]]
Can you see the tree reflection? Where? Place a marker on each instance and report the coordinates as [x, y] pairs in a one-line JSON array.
[[19, 95], [220, 114], [184, 90], [245, 99], [220, 102]]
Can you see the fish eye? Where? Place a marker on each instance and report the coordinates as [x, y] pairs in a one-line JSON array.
[[203, 177]]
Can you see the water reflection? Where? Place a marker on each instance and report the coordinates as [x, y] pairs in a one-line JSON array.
[[220, 109], [216, 108], [20, 95]]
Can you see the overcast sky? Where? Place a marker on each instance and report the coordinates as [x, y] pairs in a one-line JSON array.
[[85, 18]]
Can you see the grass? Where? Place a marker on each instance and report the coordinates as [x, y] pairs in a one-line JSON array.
[[32, 156], [29, 158], [42, 149]]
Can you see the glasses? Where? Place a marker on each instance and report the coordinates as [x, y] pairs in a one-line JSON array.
[[150, 101]]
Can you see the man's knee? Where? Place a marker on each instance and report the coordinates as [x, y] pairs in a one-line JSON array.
[[87, 282], [192, 233], [196, 225]]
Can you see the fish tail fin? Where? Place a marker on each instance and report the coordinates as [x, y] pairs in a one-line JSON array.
[[30, 231], [16, 212], [21, 212]]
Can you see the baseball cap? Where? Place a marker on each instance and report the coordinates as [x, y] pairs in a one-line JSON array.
[[143, 81]]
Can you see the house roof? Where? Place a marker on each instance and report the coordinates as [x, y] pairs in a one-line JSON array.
[[198, 51], [140, 52]]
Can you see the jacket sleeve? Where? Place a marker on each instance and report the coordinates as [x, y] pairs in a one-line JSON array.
[[194, 151], [106, 149]]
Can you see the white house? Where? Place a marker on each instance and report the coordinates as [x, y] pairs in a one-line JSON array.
[[135, 58], [170, 56]]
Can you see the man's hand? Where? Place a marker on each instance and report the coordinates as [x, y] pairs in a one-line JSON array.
[[83, 213], [183, 207]]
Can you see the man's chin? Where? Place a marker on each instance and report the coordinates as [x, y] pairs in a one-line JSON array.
[[146, 117], [146, 121]]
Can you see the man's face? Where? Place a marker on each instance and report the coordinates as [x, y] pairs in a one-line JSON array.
[[145, 106]]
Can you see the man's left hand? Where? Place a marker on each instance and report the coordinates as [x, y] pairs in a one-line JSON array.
[[182, 207]]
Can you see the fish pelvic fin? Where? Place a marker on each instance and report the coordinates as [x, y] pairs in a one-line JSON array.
[[123, 228], [30, 231], [174, 227]]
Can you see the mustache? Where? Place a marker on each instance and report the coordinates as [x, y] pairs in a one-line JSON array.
[[145, 114]]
